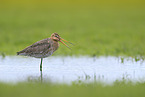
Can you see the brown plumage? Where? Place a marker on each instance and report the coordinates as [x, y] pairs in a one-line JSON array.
[[40, 49], [43, 48]]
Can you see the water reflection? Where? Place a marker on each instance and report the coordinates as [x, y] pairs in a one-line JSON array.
[[68, 69], [41, 76]]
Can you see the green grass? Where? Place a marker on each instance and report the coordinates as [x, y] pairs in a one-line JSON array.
[[118, 89], [95, 30]]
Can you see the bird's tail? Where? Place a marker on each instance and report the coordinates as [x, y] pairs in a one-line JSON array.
[[18, 53]]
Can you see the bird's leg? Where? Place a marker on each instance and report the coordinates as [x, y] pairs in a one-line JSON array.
[[41, 64], [41, 77]]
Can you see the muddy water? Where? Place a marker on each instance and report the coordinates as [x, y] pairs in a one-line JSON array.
[[68, 69]]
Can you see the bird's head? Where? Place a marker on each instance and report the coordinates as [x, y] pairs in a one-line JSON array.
[[56, 37]]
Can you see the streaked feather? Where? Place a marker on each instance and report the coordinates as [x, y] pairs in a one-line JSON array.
[[40, 49]]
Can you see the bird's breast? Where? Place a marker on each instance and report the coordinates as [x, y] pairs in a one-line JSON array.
[[55, 45]]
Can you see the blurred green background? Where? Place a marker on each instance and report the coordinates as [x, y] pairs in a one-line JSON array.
[[118, 89], [96, 27]]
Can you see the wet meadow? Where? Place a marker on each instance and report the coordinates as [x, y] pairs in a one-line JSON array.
[[106, 60]]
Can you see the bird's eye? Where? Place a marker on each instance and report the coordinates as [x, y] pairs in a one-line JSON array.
[[56, 36]]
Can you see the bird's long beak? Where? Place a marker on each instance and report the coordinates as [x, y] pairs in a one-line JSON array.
[[67, 41], [64, 43]]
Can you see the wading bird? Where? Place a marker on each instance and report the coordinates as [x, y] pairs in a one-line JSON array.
[[43, 48]]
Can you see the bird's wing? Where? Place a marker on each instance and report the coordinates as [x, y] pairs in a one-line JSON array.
[[41, 42], [37, 48]]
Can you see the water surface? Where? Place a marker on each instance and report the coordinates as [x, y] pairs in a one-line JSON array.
[[68, 69]]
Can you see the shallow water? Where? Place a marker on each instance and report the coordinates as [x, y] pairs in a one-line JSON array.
[[68, 69]]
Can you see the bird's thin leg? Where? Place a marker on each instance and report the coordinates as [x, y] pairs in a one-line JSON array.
[[41, 64], [41, 77]]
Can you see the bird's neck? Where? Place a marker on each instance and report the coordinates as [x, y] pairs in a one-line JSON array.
[[55, 45]]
